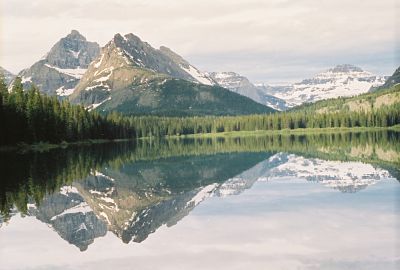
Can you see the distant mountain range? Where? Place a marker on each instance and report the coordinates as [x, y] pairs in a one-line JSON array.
[[130, 76], [241, 85], [341, 81]]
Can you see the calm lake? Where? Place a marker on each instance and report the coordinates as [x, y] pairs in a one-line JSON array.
[[321, 201]]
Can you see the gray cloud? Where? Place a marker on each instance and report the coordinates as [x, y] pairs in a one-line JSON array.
[[250, 37]]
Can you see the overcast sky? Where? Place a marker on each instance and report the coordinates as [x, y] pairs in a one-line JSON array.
[[266, 40]]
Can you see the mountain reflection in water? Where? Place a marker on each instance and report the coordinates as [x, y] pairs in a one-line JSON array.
[[132, 189]]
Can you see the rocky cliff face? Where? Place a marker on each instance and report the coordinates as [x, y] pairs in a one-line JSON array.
[[60, 70]]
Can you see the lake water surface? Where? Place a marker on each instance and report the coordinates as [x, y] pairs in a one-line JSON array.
[[327, 201]]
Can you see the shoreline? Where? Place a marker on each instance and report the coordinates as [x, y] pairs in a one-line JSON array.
[[298, 131], [46, 146]]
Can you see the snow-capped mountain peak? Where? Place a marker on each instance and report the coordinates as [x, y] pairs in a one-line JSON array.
[[340, 81]]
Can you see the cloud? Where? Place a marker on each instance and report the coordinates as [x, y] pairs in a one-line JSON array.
[[201, 29]]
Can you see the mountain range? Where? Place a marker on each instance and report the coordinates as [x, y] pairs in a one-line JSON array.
[[131, 77], [241, 85], [340, 81], [128, 75]]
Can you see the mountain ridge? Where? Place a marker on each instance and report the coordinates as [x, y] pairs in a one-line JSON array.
[[340, 81], [241, 85], [131, 77], [60, 70]]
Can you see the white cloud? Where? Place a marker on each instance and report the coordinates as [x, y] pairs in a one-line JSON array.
[[200, 29]]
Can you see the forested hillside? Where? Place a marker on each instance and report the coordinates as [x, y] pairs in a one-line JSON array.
[[28, 116], [368, 102]]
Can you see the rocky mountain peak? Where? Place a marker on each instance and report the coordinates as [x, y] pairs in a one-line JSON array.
[[131, 38], [72, 51], [129, 42], [345, 68], [75, 35], [59, 71], [140, 54]]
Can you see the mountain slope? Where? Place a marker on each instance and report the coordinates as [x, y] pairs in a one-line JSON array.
[[241, 85], [60, 70], [133, 78], [8, 76], [391, 81], [340, 81], [364, 102]]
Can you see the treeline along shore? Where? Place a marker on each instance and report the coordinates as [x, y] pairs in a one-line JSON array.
[[27, 116]]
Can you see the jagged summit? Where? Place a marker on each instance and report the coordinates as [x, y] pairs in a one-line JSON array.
[[60, 70], [345, 68], [72, 51], [132, 77], [162, 60], [75, 35]]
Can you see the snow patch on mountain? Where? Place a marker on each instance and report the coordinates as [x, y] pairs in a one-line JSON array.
[[340, 81], [62, 92], [26, 79], [343, 176], [65, 190], [197, 75], [233, 186], [204, 193], [80, 208], [95, 105], [73, 72]]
